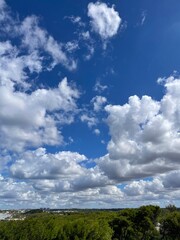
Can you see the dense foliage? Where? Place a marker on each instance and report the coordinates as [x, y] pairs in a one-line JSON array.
[[145, 223]]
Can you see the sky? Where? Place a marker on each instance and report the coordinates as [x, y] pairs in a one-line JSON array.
[[89, 103]]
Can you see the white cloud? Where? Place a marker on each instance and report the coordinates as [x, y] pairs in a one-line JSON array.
[[41, 165], [30, 116], [59, 172], [98, 103], [72, 46], [163, 188], [145, 138], [90, 120], [143, 188], [104, 20], [36, 38], [14, 65], [17, 194], [31, 119]]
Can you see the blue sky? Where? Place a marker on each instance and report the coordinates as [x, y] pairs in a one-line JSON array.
[[89, 103]]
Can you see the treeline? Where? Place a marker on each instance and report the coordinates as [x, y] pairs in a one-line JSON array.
[[144, 223]]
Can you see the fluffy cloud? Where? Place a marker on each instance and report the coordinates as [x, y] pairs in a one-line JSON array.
[[43, 194], [145, 138], [59, 172], [104, 20], [164, 189], [32, 119], [16, 194], [143, 188], [41, 165]]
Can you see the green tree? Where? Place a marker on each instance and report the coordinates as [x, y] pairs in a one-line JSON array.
[[171, 208], [145, 221], [170, 226], [122, 228]]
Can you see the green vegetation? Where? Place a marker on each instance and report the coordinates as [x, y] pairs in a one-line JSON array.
[[144, 223]]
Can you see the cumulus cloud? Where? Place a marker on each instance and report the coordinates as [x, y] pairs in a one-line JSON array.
[[41, 165], [163, 188], [105, 21], [145, 137], [143, 188], [32, 119], [17, 194], [59, 172]]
